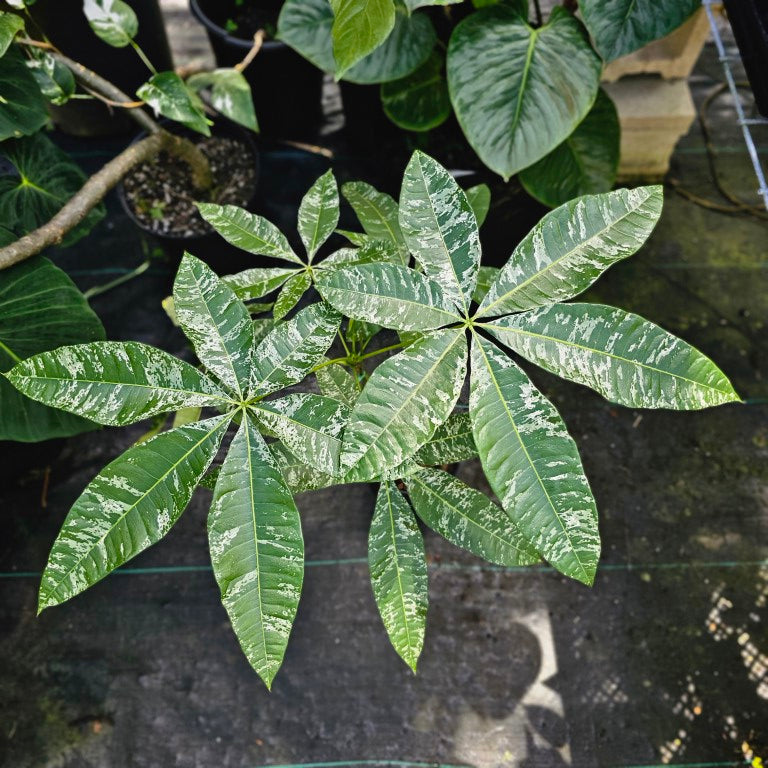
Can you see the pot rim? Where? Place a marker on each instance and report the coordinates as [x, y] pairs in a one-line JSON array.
[[238, 42]]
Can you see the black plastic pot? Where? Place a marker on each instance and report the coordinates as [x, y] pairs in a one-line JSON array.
[[211, 248], [287, 89], [749, 20], [65, 25]]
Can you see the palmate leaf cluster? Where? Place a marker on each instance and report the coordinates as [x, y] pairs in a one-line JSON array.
[[397, 424]]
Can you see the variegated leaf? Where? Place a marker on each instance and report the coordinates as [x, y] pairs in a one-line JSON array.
[[532, 463], [319, 213], [258, 282], [453, 441], [257, 550], [115, 383], [290, 350], [298, 476], [405, 400], [291, 294], [129, 506], [468, 518], [310, 426], [215, 321], [376, 211], [398, 567], [571, 247], [248, 231], [625, 358], [370, 251], [390, 295], [356, 238], [440, 227], [338, 383], [485, 278]]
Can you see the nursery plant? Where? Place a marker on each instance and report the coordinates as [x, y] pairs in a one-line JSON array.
[[396, 423], [525, 92]]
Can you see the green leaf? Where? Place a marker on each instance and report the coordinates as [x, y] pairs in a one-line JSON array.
[[485, 279], [585, 163], [405, 400], [215, 321], [305, 25], [359, 332], [310, 426], [532, 463], [22, 106], [319, 213], [113, 382], [298, 476], [230, 95], [377, 212], [47, 178], [625, 358], [468, 519], [112, 20], [129, 506], [257, 550], [10, 26], [290, 351], [398, 567], [247, 231], [338, 383], [371, 251], [291, 294], [359, 26], [479, 198], [571, 247], [412, 5], [452, 441], [356, 238], [169, 95], [258, 282], [40, 309], [389, 295], [619, 27], [419, 101], [55, 80], [440, 227], [518, 92]]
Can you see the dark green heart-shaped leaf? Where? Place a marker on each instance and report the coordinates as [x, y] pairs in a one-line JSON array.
[[10, 26], [22, 106]]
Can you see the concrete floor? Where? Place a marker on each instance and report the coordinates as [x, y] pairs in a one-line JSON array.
[[663, 662]]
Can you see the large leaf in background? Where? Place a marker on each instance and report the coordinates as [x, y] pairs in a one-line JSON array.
[[319, 213], [359, 27], [248, 231], [518, 92], [571, 247], [257, 550], [625, 358], [10, 26], [215, 321], [115, 383], [405, 400], [55, 80], [419, 101], [619, 27], [22, 106], [40, 309], [398, 567], [390, 295], [532, 463], [230, 95], [47, 178], [452, 441], [289, 352], [112, 20], [440, 227], [130, 505], [377, 212], [584, 164], [169, 95], [468, 518]]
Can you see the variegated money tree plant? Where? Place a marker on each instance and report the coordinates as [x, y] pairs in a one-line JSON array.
[[396, 424]]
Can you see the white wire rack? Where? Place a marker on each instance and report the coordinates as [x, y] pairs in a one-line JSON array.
[[745, 122]]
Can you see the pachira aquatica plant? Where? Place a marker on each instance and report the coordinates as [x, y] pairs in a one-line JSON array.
[[525, 93], [396, 423]]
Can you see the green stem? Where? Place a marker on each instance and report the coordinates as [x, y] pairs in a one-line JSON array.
[[344, 344], [10, 353], [143, 56], [381, 351], [99, 289]]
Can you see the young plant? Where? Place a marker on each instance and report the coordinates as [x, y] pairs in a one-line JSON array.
[[395, 424]]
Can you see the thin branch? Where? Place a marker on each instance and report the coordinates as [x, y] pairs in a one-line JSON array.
[[258, 41]]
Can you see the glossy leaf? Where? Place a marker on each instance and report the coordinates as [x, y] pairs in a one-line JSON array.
[[319, 213], [113, 382], [398, 568], [412, 5], [377, 212], [359, 27], [215, 321], [10, 26], [468, 518], [298, 476], [291, 294], [55, 81], [169, 95], [625, 358], [258, 282], [584, 164], [257, 550], [532, 463], [389, 295], [571, 247], [479, 198], [112, 20], [338, 383], [405, 400], [440, 227], [230, 95], [129, 506], [452, 441], [22, 106], [485, 279], [519, 92]]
